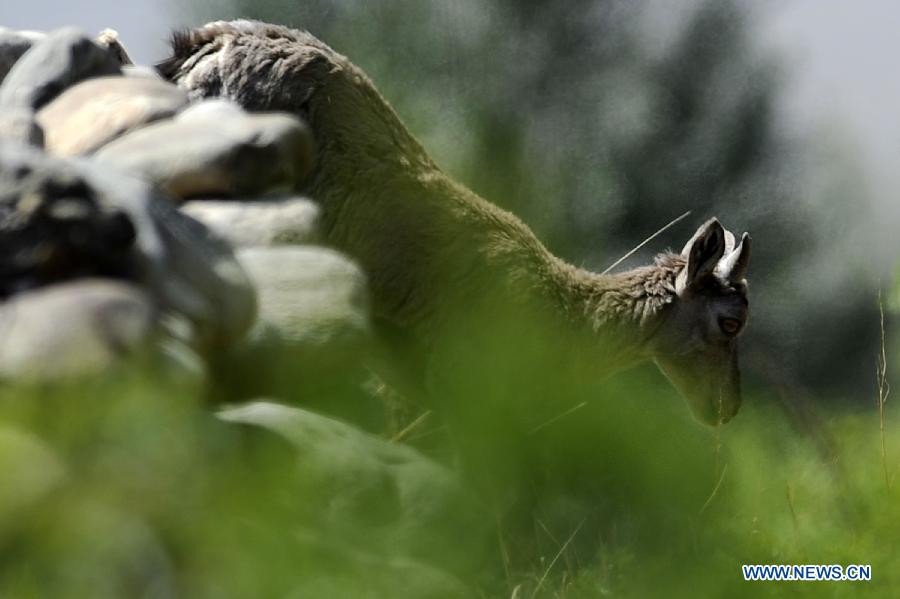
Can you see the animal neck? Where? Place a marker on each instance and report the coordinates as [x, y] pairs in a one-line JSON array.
[[358, 131], [363, 140], [619, 312]]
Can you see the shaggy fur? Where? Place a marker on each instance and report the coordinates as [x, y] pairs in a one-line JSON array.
[[442, 262]]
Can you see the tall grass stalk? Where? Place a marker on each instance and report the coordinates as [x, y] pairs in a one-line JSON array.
[[884, 390]]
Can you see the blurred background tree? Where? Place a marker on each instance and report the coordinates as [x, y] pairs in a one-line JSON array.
[[599, 121]]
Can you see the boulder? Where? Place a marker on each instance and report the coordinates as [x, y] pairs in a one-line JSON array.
[[141, 72], [55, 226], [13, 44], [109, 40], [62, 220], [213, 110], [94, 112], [362, 482], [72, 329], [196, 274], [56, 62], [194, 155], [312, 336], [310, 297], [259, 222], [20, 125]]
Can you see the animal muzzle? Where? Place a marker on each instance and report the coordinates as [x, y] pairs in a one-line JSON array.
[[712, 393], [716, 407]]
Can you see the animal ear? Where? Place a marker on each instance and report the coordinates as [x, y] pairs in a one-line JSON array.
[[702, 252], [734, 266]]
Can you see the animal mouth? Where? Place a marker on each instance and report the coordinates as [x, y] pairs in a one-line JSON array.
[[713, 418], [721, 410], [726, 418]]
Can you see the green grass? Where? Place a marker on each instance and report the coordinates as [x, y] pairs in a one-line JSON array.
[[126, 488]]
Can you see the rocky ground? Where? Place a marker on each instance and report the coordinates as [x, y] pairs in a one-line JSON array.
[[137, 225]]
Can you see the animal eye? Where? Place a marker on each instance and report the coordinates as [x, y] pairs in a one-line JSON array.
[[730, 326]]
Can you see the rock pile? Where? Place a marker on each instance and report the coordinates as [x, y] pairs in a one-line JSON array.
[[95, 159], [134, 223]]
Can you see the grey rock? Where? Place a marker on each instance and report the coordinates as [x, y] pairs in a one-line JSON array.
[[236, 156], [312, 339], [212, 110], [61, 59], [13, 44], [72, 329], [55, 226], [109, 40], [175, 350], [189, 269], [312, 297], [63, 220], [141, 72], [94, 112], [20, 124], [259, 222], [365, 482]]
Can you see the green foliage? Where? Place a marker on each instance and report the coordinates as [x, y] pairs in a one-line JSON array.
[[123, 487]]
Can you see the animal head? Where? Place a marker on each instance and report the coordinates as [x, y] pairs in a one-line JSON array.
[[696, 345]]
